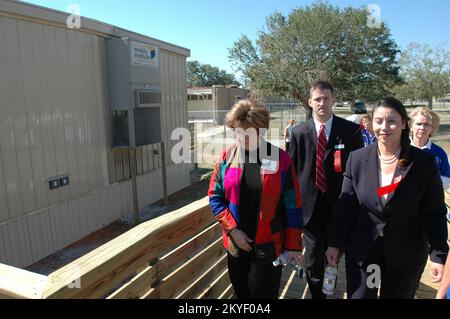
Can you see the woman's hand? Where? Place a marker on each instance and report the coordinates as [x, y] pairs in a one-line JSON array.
[[332, 255], [297, 256], [442, 292], [437, 270], [241, 239]]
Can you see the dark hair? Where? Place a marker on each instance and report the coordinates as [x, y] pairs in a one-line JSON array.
[[395, 104], [322, 85]]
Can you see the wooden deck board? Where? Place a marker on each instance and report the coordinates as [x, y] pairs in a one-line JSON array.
[[293, 288]]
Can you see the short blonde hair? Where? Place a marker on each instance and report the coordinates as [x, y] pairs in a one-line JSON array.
[[248, 113], [433, 119], [367, 117]]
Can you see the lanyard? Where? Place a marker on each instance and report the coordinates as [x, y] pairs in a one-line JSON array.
[[389, 188]]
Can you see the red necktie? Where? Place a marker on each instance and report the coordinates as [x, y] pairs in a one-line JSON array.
[[321, 181]]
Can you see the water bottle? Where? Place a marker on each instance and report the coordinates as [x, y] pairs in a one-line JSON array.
[[329, 280], [285, 260], [282, 260]]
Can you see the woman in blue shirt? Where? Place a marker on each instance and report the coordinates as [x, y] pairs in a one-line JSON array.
[[366, 130], [424, 123]]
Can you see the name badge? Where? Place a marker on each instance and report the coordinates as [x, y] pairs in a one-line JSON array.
[[268, 165], [339, 146]]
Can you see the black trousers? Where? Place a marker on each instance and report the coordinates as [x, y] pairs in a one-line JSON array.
[[315, 240], [396, 283], [252, 280], [287, 144]]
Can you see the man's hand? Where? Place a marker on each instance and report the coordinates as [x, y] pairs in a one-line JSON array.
[[241, 239], [297, 256], [437, 270], [333, 256]]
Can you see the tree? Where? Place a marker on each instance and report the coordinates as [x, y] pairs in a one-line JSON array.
[[425, 71], [406, 91], [319, 42], [206, 75]]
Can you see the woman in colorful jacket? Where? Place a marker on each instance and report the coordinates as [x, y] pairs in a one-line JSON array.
[[254, 194]]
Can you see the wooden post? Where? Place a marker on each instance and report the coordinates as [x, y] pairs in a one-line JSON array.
[[164, 173], [133, 166]]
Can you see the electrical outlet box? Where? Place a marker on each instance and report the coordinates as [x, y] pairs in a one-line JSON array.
[[64, 181], [58, 181], [54, 183]]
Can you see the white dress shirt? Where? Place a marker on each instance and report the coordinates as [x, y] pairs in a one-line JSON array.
[[426, 146], [384, 180], [328, 124]]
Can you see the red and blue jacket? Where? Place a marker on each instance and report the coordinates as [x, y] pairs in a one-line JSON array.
[[280, 217]]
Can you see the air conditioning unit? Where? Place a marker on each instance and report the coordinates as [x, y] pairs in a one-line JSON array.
[[147, 98], [134, 91]]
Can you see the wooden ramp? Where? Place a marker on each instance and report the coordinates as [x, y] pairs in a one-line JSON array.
[[177, 255], [293, 288]]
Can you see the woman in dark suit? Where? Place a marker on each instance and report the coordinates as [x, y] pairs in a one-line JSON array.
[[391, 212]]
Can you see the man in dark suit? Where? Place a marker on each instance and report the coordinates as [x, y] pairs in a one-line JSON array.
[[319, 150]]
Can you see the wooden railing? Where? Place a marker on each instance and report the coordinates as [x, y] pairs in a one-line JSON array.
[[177, 255]]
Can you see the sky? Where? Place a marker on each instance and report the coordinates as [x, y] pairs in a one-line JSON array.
[[210, 27]]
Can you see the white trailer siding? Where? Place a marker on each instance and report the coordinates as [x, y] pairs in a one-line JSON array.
[[54, 120]]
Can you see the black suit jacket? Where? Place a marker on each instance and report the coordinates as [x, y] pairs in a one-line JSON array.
[[412, 220], [303, 153]]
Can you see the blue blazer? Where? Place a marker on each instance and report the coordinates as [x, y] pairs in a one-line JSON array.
[[413, 219]]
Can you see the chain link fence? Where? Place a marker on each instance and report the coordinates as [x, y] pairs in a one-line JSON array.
[[210, 136]]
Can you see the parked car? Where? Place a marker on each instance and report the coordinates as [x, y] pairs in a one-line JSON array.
[[339, 104], [359, 107]]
